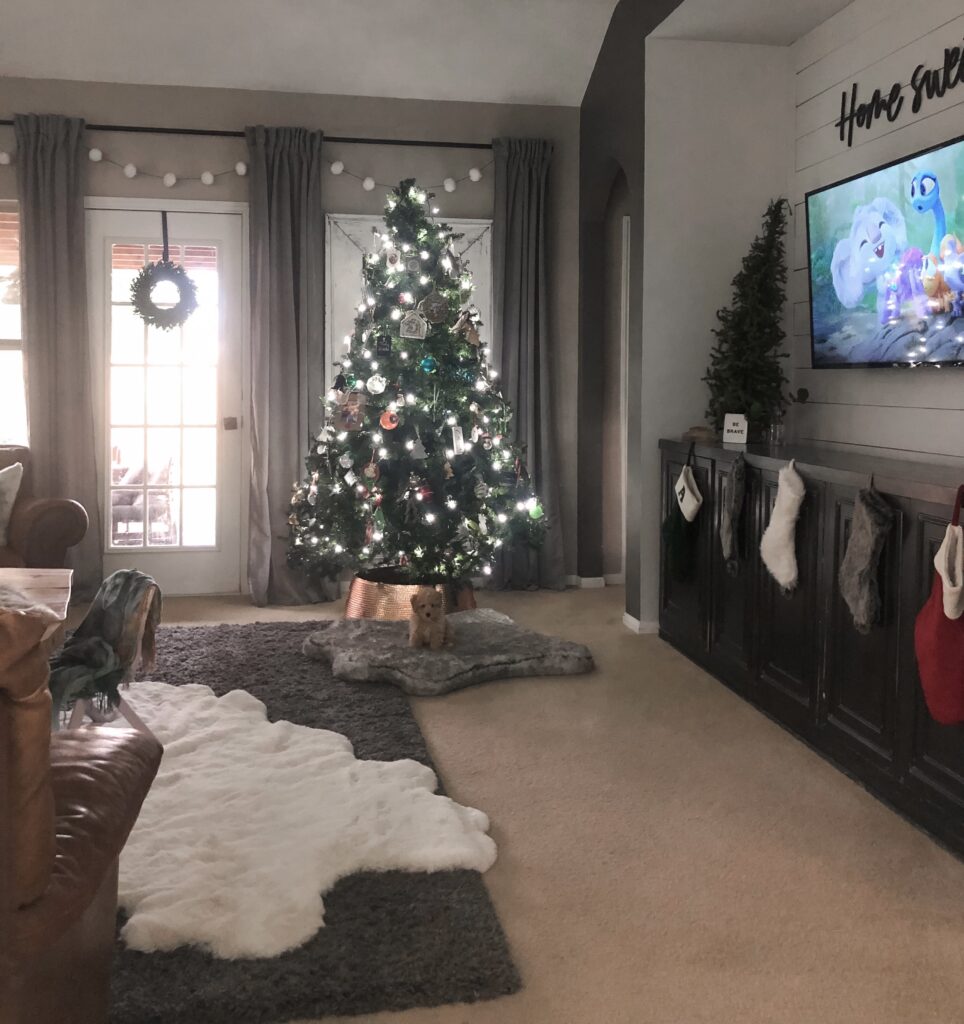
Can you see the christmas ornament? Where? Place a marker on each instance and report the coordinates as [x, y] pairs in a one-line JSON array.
[[341, 384], [412, 263], [481, 490], [483, 525], [345, 461], [458, 441], [372, 471], [376, 384], [350, 478], [142, 288], [429, 364], [393, 259], [434, 307], [388, 420], [447, 471], [487, 442], [383, 345], [413, 325], [418, 450], [536, 512], [473, 337]]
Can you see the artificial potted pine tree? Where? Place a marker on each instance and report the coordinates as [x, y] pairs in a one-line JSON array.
[[414, 478], [745, 374]]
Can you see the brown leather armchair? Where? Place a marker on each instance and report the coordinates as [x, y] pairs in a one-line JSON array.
[[41, 529], [67, 804]]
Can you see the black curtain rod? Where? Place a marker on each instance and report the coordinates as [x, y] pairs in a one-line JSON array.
[[219, 134]]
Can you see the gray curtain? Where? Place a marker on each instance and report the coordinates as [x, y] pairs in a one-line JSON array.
[[521, 341], [51, 161], [287, 330]]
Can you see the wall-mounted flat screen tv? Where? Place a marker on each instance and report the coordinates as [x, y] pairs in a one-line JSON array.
[[886, 264]]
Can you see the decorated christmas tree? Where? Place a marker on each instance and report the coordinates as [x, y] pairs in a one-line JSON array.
[[414, 468]]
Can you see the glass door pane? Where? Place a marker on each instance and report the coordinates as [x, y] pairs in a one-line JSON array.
[[163, 409]]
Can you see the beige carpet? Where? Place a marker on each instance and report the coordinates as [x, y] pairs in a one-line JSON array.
[[669, 856]]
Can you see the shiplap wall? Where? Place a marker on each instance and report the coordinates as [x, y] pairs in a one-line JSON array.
[[913, 413]]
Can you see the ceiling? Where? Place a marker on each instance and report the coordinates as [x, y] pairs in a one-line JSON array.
[[500, 51], [776, 22]]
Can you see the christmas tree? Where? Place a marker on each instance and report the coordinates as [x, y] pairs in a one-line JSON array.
[[745, 374], [414, 468]]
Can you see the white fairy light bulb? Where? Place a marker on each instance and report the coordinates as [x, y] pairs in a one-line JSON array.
[[421, 196], [418, 496], [343, 435], [347, 340], [374, 365], [521, 506], [468, 446], [493, 374], [377, 535], [480, 385], [487, 569], [370, 301], [406, 297], [130, 171], [332, 394], [409, 444], [496, 441], [376, 438], [475, 174], [446, 263], [368, 184], [346, 362], [497, 465], [365, 550], [449, 184], [240, 168], [338, 549], [502, 517], [360, 488], [451, 421], [434, 209], [405, 247], [95, 155], [452, 504], [337, 167], [424, 279], [449, 453], [404, 355], [169, 179], [531, 504], [424, 254], [361, 307], [366, 353], [409, 399], [429, 517], [396, 314], [207, 178]]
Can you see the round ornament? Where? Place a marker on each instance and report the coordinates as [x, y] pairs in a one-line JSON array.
[[481, 490], [148, 279], [376, 384], [487, 442], [412, 263], [429, 364], [371, 471], [434, 307], [388, 420], [536, 512], [345, 461]]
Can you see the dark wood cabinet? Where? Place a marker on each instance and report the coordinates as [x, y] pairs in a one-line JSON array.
[[854, 697]]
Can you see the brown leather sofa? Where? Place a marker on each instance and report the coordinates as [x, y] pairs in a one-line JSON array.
[[41, 529], [67, 804]]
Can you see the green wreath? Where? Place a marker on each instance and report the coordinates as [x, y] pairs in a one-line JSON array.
[[145, 283]]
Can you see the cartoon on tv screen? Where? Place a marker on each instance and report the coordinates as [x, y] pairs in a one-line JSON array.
[[887, 264]]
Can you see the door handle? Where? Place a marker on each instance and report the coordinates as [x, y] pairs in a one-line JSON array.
[[230, 423]]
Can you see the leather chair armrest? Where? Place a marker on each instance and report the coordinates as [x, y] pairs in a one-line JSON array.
[[42, 529]]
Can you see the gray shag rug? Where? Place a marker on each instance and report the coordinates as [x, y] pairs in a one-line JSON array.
[[488, 645], [392, 940]]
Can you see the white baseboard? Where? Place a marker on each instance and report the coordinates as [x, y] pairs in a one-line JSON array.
[[586, 582], [643, 628], [615, 579]]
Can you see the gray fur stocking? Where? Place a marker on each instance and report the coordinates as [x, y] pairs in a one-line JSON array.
[[730, 515], [872, 521]]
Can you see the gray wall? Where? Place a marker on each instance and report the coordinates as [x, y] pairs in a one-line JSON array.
[[914, 414], [612, 138], [171, 106]]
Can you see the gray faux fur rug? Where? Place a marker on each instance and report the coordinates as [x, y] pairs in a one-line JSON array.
[[392, 940]]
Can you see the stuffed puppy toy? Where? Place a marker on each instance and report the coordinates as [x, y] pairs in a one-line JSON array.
[[777, 547], [428, 626]]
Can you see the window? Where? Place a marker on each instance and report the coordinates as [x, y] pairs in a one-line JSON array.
[[13, 406]]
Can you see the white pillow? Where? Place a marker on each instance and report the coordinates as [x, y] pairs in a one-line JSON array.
[[9, 488]]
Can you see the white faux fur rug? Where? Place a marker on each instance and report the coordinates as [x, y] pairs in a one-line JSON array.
[[249, 822]]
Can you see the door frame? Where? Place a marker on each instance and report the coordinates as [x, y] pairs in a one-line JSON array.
[[154, 205]]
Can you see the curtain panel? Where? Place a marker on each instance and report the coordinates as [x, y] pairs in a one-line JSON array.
[[287, 342], [51, 164], [521, 341]]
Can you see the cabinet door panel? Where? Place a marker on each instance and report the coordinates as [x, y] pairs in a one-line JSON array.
[[936, 752], [786, 678], [859, 695], [684, 603]]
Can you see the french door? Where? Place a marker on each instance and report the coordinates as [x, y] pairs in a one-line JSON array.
[[170, 446]]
